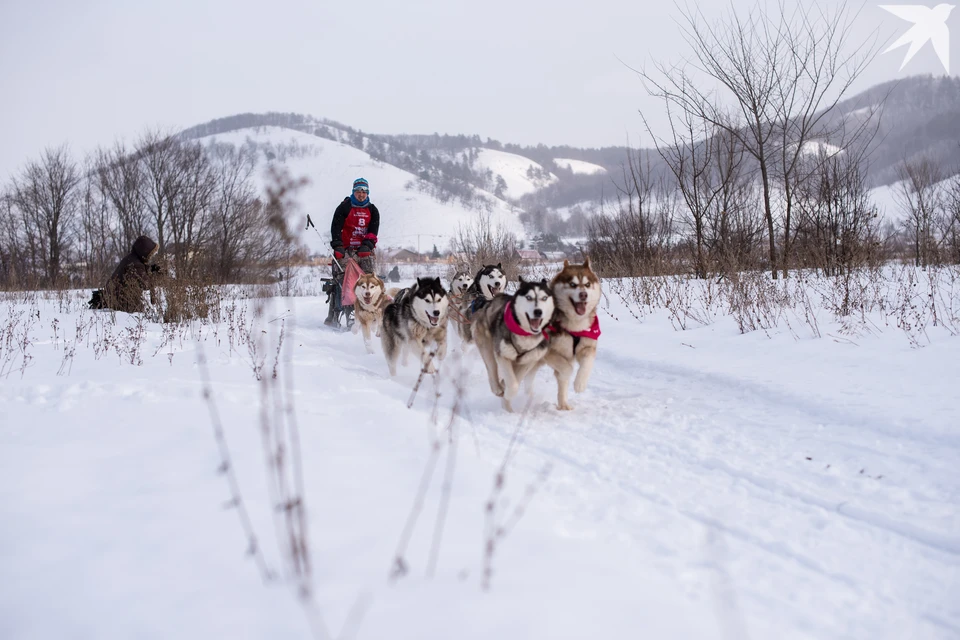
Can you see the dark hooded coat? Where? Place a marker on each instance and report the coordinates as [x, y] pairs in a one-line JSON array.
[[133, 276]]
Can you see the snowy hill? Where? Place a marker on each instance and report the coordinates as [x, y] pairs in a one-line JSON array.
[[579, 166], [331, 168], [521, 175]]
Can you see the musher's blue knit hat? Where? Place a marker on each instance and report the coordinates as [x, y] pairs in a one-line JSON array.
[[361, 183]]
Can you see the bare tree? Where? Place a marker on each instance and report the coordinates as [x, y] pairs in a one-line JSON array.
[[96, 242], [190, 195], [951, 221], [819, 67], [635, 238], [483, 242], [781, 73], [920, 195], [736, 222], [837, 225], [691, 154], [46, 196], [120, 180], [159, 158]]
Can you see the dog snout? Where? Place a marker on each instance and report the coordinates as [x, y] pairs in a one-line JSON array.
[[583, 296], [537, 313], [436, 312]]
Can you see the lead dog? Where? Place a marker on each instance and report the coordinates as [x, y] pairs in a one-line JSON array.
[[489, 281], [575, 328], [416, 318], [372, 298], [509, 335]]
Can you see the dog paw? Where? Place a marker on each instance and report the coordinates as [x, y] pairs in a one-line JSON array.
[[369, 349], [566, 406], [580, 384], [497, 389], [507, 406]]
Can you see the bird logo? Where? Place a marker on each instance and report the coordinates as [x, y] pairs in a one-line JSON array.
[[928, 24]]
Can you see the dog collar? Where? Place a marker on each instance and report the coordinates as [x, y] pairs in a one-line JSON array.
[[512, 324]]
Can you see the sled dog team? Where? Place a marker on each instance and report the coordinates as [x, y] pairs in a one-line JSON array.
[[540, 323]]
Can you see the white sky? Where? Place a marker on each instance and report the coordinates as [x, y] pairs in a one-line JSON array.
[[89, 72]]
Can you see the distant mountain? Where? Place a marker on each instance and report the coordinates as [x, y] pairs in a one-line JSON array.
[[920, 116]]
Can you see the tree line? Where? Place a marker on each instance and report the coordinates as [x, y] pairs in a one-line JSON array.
[[762, 172], [66, 221]]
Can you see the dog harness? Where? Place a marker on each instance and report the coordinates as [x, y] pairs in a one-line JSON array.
[[477, 304], [593, 332], [516, 329]]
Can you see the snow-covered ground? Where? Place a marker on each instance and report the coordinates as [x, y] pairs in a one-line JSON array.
[[513, 168], [708, 484], [331, 168], [579, 166]]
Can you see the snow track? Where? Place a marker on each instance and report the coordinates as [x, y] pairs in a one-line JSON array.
[[706, 485]]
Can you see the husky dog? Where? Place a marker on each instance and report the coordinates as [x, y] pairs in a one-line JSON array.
[[372, 298], [575, 327], [510, 338], [489, 282], [416, 317], [460, 283]]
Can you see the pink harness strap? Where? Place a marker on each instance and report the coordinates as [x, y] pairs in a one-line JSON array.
[[512, 324], [593, 332]]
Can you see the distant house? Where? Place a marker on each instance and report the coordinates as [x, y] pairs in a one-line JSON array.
[[404, 255], [554, 256], [528, 255]]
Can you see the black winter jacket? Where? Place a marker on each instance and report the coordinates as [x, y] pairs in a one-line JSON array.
[[133, 276]]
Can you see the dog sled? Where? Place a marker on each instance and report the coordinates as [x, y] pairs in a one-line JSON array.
[[340, 294]]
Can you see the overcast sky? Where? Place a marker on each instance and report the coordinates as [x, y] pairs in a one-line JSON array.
[[88, 72]]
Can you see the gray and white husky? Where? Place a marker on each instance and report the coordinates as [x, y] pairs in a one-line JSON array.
[[509, 332], [416, 318], [488, 283]]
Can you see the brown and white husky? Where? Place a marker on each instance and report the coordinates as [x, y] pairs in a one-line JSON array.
[[575, 328], [372, 298]]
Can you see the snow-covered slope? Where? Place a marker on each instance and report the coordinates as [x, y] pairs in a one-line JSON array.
[[514, 171], [331, 168], [579, 166]]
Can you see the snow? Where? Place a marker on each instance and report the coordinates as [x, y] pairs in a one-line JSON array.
[[579, 166], [708, 484], [331, 168], [815, 147], [513, 168]]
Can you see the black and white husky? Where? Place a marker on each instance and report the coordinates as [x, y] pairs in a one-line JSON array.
[[460, 283], [488, 283], [509, 335], [416, 318]]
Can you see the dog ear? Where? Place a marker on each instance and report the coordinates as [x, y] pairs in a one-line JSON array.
[[543, 283], [586, 261], [520, 280], [500, 266], [566, 263]]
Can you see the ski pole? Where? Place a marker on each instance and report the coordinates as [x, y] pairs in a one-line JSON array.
[[310, 224]]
